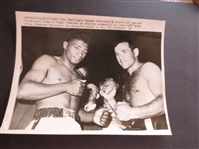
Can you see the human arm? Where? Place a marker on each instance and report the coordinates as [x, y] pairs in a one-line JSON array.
[[155, 107], [33, 88], [100, 116], [94, 95]]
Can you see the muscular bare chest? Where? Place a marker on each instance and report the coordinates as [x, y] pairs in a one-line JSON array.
[[59, 73], [136, 89], [131, 86]]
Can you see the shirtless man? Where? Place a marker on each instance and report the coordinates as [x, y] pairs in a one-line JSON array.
[[142, 92], [56, 87]]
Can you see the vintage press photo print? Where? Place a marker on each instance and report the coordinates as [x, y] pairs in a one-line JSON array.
[[83, 74]]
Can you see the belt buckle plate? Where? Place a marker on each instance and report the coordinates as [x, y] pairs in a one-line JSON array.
[[68, 113]]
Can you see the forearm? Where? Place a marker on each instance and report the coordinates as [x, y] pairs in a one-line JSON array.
[[152, 109], [35, 91], [86, 117]]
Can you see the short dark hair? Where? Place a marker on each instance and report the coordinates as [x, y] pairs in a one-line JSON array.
[[79, 36], [132, 44]]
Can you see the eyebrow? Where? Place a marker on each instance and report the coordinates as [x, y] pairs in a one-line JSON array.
[[120, 51], [81, 46]]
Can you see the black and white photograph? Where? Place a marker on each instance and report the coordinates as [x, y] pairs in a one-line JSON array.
[[79, 74]]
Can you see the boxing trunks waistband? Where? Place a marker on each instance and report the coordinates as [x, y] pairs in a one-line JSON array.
[[54, 112]]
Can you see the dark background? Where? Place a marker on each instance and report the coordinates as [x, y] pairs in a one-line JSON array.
[[100, 60], [181, 70]]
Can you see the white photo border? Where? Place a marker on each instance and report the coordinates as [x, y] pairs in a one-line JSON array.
[[55, 20]]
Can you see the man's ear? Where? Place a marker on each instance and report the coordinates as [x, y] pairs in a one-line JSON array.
[[136, 52], [65, 44]]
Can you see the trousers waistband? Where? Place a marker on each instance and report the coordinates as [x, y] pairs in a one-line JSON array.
[[56, 112], [158, 122]]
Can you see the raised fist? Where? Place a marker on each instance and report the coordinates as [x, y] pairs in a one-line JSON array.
[[102, 117], [75, 87], [108, 92]]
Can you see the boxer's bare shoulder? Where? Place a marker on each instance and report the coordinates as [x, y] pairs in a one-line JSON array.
[[43, 61], [150, 69], [39, 67]]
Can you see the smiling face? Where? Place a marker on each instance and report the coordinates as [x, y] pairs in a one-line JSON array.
[[108, 85], [125, 55], [75, 51]]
